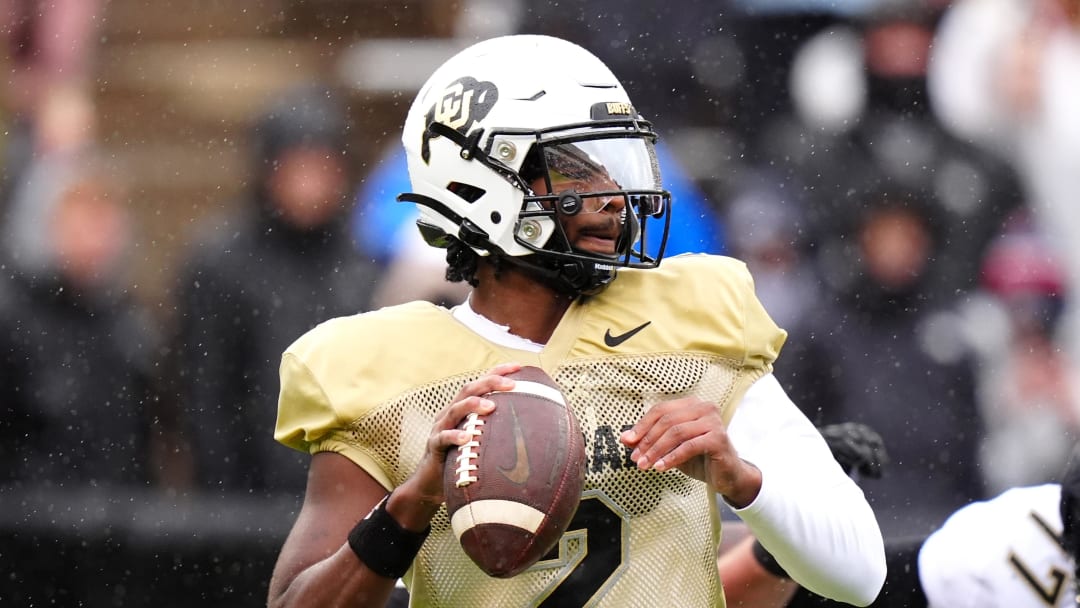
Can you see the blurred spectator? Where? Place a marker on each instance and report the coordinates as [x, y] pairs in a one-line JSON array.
[[768, 233], [1027, 394], [258, 279], [66, 128], [874, 350], [78, 355], [861, 121], [49, 48], [1006, 74]]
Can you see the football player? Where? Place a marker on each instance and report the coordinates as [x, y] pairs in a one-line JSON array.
[[533, 170], [1016, 550], [1028, 560]]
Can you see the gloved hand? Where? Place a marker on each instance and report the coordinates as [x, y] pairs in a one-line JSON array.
[[859, 449]]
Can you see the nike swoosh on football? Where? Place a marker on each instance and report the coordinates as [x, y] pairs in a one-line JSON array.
[[519, 473], [614, 341]]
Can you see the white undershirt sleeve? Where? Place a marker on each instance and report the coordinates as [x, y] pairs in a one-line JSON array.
[[809, 514]]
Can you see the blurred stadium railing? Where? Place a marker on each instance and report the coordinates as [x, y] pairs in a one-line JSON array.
[[108, 547]]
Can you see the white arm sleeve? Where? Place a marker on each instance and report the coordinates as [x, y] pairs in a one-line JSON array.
[[809, 514]]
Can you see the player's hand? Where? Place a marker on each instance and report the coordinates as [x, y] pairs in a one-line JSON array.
[[427, 481], [689, 434], [858, 448]]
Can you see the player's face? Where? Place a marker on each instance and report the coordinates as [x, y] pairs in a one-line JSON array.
[[599, 223]]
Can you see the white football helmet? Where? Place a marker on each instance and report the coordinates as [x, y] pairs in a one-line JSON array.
[[509, 111]]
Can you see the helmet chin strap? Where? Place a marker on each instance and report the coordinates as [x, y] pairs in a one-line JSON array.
[[565, 275]]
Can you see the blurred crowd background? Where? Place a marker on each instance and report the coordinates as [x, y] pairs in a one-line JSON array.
[[188, 185]]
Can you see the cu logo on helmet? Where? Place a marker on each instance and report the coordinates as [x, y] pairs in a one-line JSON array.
[[462, 103]]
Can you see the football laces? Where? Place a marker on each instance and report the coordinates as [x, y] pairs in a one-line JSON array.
[[468, 453]]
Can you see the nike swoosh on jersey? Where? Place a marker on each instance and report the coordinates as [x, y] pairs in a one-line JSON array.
[[613, 341], [519, 473]]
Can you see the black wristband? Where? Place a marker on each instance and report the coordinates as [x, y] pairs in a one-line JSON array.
[[768, 562], [383, 545]]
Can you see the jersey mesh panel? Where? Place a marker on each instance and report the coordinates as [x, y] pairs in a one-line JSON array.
[[661, 523]]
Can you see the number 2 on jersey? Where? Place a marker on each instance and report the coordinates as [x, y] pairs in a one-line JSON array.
[[600, 527]]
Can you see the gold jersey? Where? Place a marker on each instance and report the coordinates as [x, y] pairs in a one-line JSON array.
[[369, 386]]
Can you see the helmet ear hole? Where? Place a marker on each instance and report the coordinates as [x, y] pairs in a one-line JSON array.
[[467, 192]]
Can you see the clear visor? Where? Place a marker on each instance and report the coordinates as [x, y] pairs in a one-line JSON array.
[[600, 169]]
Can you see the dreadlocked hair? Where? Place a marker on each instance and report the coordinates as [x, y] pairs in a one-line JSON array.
[[462, 261]]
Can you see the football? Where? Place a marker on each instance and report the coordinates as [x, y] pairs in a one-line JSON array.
[[512, 490]]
